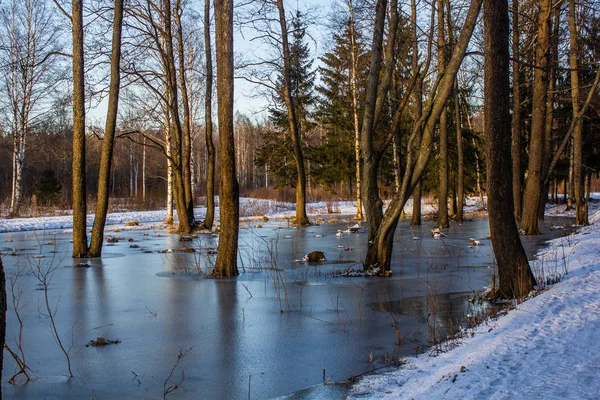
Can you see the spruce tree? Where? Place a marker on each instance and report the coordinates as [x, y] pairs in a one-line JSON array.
[[275, 152]]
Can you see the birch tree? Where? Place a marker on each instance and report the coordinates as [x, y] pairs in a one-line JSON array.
[[28, 49]]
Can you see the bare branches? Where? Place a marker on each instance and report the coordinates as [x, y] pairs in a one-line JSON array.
[[170, 386]]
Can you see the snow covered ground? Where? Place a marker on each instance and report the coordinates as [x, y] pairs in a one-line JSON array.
[[248, 208], [545, 348]]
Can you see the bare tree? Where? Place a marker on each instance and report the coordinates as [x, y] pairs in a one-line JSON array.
[[515, 277], [382, 226], [533, 186], [28, 47], [226, 262], [109, 134]]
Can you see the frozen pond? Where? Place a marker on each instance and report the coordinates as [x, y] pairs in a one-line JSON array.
[[280, 327]]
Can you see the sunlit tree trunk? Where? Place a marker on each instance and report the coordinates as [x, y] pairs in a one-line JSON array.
[[109, 135], [381, 236], [581, 208], [301, 217], [169, 155], [186, 128], [418, 106], [226, 262], [533, 186], [3, 308], [515, 277], [208, 129], [460, 191], [359, 207], [443, 221], [550, 100], [80, 247]]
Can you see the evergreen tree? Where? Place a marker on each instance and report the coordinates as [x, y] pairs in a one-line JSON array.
[[275, 152], [334, 109]]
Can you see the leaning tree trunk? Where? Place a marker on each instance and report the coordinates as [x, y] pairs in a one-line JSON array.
[[186, 221], [301, 217], [226, 263], [109, 135], [581, 209], [515, 277], [80, 247], [208, 130], [533, 186], [380, 237]]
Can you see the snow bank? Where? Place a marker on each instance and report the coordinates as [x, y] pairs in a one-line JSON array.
[[546, 348]]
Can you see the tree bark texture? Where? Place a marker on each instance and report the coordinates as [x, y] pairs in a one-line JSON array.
[[186, 129], [301, 217], [460, 175], [515, 277], [354, 66], [226, 263], [443, 221], [533, 186], [80, 247], [516, 115], [381, 234], [109, 135], [208, 129], [418, 106], [3, 307], [581, 209]]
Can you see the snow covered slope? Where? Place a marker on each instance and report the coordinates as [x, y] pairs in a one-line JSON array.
[[546, 348]]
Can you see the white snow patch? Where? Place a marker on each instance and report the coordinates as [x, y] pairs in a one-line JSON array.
[[546, 348]]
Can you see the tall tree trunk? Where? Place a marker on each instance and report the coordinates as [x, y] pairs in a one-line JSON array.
[[301, 217], [226, 263], [443, 221], [549, 122], [581, 209], [371, 199], [169, 155], [186, 222], [516, 115], [208, 129], [418, 106], [80, 247], [144, 169], [109, 135], [186, 131], [460, 191], [354, 66], [515, 277], [533, 186], [3, 307], [381, 235]]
